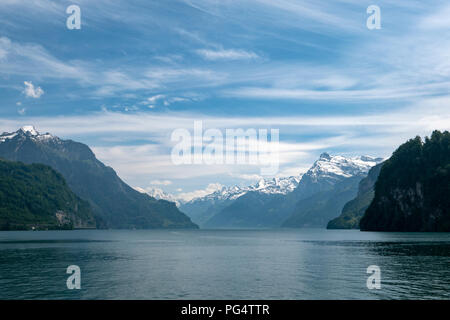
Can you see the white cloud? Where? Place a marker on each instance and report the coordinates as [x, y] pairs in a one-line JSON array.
[[130, 108], [309, 10], [223, 54], [335, 82], [178, 75], [302, 14], [3, 53], [251, 177], [154, 99], [21, 111], [150, 125], [33, 60], [161, 182], [373, 134], [31, 91], [438, 20], [381, 93], [212, 187], [42, 6], [177, 99]]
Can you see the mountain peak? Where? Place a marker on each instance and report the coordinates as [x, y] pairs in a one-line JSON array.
[[340, 166], [325, 156], [159, 194], [30, 130]]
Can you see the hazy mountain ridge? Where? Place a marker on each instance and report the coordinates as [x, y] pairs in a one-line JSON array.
[[115, 204], [160, 194], [354, 210]]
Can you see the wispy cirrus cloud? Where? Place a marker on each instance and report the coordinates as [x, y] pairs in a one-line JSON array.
[[339, 95], [230, 54], [161, 182], [438, 20], [30, 59], [299, 13], [33, 60], [310, 68], [142, 150]]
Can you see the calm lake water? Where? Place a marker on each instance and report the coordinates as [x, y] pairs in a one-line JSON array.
[[224, 264]]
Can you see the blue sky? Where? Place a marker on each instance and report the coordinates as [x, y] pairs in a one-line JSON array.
[[137, 70]]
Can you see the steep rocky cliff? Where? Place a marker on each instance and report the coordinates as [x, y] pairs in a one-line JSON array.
[[412, 192]]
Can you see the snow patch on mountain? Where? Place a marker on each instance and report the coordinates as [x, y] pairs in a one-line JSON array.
[[5, 136], [335, 167], [159, 194], [29, 129], [27, 132], [267, 186], [330, 168]]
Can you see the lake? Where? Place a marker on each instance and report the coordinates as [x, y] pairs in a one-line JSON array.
[[224, 264]]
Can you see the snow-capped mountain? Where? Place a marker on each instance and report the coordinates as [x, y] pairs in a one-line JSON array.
[[203, 208], [277, 185], [335, 167], [324, 189], [267, 186], [159, 194], [269, 202], [27, 131], [326, 167], [328, 170]]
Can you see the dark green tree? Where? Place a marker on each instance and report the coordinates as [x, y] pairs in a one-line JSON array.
[[412, 192]]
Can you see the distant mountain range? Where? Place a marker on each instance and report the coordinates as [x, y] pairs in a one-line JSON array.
[[202, 209], [114, 203], [50, 183], [311, 199], [323, 191]]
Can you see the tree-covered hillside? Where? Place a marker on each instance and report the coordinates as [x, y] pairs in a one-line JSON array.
[[412, 192], [37, 197]]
